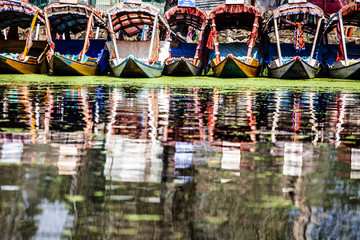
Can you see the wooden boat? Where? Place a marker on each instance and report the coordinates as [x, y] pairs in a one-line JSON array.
[[137, 58], [338, 63], [235, 59], [73, 57], [297, 62], [186, 58], [21, 56]]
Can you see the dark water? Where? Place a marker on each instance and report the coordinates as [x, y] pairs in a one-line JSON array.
[[194, 161]]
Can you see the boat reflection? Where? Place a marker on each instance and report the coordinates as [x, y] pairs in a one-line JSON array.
[[192, 160]]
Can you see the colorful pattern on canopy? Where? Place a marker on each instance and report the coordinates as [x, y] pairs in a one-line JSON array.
[[293, 9], [72, 17], [350, 14], [183, 15], [235, 15], [297, 8], [130, 18], [18, 14]]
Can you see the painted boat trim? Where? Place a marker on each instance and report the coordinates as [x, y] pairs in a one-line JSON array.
[[7, 68], [243, 70], [72, 67]]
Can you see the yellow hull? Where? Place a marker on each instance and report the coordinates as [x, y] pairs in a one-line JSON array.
[[232, 67], [61, 66], [14, 66]]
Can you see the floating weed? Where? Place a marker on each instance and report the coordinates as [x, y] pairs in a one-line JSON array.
[[136, 217], [215, 220], [67, 233], [131, 231], [98, 194], [178, 234], [75, 198], [157, 193], [300, 136], [351, 137], [94, 229]]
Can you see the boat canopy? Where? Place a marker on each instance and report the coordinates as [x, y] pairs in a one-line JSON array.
[[194, 17], [350, 14], [130, 18], [72, 17], [235, 16], [310, 16], [21, 14]]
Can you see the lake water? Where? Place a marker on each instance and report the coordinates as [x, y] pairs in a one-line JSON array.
[[179, 158]]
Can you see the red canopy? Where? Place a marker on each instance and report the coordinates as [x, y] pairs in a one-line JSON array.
[[186, 15], [235, 15]]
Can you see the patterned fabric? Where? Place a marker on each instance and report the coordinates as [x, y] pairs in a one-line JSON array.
[[156, 47], [210, 43], [234, 8], [340, 54], [298, 8], [299, 42]]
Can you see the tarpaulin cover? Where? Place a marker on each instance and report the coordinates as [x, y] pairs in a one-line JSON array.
[[330, 52], [75, 46], [288, 50], [187, 50], [238, 50]]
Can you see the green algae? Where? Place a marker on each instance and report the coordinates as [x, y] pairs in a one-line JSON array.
[[184, 82]]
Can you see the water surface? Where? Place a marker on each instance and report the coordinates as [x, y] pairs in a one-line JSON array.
[[179, 158]]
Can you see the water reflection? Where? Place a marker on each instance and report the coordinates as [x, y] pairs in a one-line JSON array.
[[178, 163]]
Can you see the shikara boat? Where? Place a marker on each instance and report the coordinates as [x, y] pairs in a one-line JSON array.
[[343, 60], [131, 53], [21, 56], [186, 58], [65, 21], [297, 61], [235, 59]]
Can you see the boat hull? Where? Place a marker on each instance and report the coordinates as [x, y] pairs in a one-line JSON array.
[[231, 67], [294, 69], [182, 68], [14, 66], [132, 68], [62, 66], [345, 72]]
